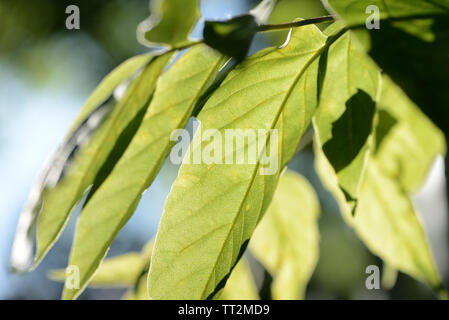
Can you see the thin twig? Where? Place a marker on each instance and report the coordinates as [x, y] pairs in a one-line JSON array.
[[272, 27]]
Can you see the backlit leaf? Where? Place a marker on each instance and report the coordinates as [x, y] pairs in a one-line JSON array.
[[354, 12], [171, 22], [119, 271], [171, 107], [411, 46], [286, 241], [231, 37], [126, 270], [386, 220], [59, 201], [83, 154], [344, 120], [213, 209], [240, 285]]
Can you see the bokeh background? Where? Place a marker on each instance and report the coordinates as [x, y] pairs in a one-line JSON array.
[[47, 72]]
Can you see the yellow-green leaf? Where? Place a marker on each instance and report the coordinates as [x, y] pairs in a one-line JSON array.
[[86, 149], [119, 271], [286, 241], [398, 34], [171, 22], [213, 209], [171, 107], [355, 11], [240, 285], [407, 142], [59, 201], [386, 220], [107, 86], [344, 119]]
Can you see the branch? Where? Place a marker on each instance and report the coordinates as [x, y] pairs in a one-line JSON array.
[[273, 27]]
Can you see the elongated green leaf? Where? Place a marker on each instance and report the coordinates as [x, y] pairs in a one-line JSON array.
[[231, 37], [240, 285], [409, 31], [107, 86], [386, 220], [286, 241], [213, 209], [120, 271], [355, 11], [140, 292], [96, 107], [59, 201], [407, 142], [344, 119], [171, 107], [171, 22], [389, 277]]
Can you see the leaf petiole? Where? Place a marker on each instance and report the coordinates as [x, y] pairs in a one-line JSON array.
[[274, 27]]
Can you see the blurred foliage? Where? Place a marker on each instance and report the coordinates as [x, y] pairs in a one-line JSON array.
[[30, 24]]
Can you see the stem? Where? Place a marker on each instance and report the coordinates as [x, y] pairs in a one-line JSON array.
[[272, 27], [269, 27], [187, 45]]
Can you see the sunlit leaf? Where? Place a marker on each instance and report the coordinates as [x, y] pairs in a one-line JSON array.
[[286, 241], [127, 270], [355, 11], [386, 220], [344, 120], [411, 46], [171, 22], [171, 107], [389, 277], [407, 142], [120, 125], [231, 37], [107, 86], [91, 144], [119, 271], [140, 292], [240, 285], [213, 209]]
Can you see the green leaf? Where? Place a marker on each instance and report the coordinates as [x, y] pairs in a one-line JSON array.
[[171, 107], [286, 241], [213, 209], [87, 163], [354, 11], [126, 270], [389, 277], [140, 292], [95, 107], [232, 37], [120, 271], [408, 135], [410, 31], [107, 86], [344, 120], [171, 22], [386, 220], [240, 285]]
